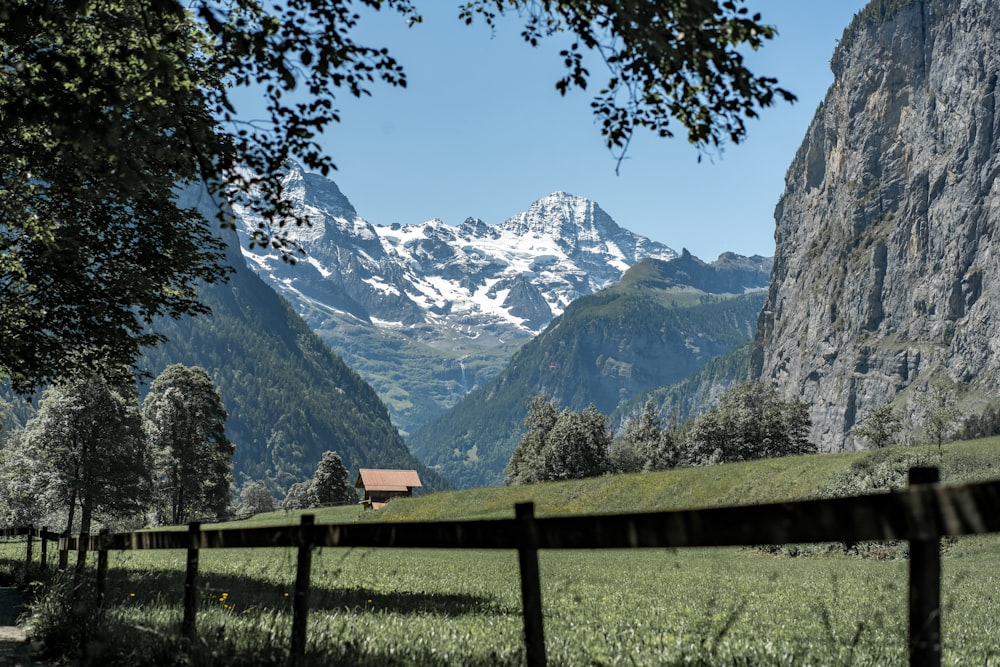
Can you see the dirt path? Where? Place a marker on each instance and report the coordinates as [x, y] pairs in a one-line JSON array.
[[14, 647]]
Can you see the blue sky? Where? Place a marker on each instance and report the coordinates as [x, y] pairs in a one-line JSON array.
[[481, 131]]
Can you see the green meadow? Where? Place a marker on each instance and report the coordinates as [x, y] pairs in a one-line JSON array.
[[733, 606]]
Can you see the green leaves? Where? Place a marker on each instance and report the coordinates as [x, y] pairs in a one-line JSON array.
[[184, 420], [563, 445], [667, 61], [750, 422], [106, 107]]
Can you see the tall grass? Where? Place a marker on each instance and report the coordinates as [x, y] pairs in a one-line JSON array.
[[636, 607]]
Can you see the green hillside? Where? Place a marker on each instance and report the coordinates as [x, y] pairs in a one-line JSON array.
[[694, 394], [643, 333], [289, 396], [748, 483], [418, 382]]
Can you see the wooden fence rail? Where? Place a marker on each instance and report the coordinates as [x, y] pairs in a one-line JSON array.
[[922, 514]]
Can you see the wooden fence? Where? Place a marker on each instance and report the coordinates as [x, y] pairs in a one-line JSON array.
[[923, 514]]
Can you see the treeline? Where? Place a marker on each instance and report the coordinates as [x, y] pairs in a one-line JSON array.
[[749, 422], [94, 452], [605, 348]]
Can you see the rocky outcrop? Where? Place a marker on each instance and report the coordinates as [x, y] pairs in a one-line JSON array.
[[887, 257]]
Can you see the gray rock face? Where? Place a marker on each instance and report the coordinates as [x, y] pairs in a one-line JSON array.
[[887, 262]]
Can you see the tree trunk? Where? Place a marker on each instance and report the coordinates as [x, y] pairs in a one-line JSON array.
[[72, 511], [85, 518]]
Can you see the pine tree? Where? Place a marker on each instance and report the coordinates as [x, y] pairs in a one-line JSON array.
[[644, 445]]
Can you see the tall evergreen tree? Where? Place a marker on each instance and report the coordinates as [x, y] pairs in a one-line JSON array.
[[559, 445], [185, 419], [644, 445]]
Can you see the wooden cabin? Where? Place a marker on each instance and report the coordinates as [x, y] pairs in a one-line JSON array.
[[379, 486]]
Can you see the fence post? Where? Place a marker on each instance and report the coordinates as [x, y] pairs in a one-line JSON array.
[[925, 588], [531, 589], [102, 567], [45, 550], [64, 551], [27, 557], [300, 603], [190, 580]]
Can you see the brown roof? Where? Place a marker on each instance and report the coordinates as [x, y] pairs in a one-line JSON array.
[[387, 480]]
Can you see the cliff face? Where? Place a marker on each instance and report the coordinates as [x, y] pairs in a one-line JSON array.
[[887, 266]]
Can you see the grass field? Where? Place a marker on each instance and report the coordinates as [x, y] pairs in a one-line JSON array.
[[639, 607]]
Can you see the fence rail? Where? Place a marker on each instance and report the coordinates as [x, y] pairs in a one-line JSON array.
[[921, 514]]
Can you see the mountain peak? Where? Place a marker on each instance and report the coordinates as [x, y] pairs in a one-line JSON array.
[[562, 215]]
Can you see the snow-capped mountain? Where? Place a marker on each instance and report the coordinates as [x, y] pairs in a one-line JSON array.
[[436, 282]]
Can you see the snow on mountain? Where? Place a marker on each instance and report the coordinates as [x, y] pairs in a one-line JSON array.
[[438, 281]]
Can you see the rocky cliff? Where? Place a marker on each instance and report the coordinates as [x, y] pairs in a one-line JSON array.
[[887, 255]]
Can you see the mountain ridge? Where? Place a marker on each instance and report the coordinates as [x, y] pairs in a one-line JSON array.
[[289, 397], [645, 332], [449, 304]]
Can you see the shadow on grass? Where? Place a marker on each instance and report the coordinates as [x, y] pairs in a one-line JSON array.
[[239, 593]]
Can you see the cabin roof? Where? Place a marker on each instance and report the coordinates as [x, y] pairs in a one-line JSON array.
[[374, 479]]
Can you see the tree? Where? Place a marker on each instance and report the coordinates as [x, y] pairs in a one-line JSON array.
[[185, 419], [559, 445], [299, 496], [524, 466], [255, 498], [938, 402], [107, 107], [21, 500], [330, 483], [676, 59], [577, 446], [644, 445], [879, 426], [750, 422], [87, 451]]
